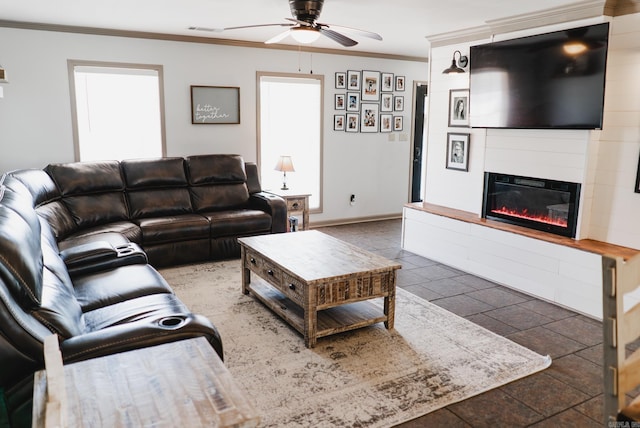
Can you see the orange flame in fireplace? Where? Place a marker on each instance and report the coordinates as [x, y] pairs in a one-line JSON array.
[[524, 214]]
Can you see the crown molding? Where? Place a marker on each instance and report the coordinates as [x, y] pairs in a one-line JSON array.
[[198, 39], [572, 12], [460, 36]]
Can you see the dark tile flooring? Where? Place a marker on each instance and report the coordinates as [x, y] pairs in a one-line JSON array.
[[567, 394]]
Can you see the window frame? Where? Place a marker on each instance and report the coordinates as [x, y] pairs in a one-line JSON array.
[[72, 64], [318, 77]]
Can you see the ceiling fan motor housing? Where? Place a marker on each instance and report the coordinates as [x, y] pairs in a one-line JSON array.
[[307, 11]]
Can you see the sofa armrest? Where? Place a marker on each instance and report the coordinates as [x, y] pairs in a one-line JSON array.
[[140, 334], [273, 205]]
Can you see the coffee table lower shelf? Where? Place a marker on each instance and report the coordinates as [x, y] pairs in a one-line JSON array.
[[330, 321]]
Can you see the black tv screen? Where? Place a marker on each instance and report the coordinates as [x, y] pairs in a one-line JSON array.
[[552, 81]]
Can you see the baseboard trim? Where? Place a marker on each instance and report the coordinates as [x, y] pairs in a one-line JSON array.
[[353, 220]]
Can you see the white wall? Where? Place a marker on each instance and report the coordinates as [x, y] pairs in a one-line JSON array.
[[35, 113], [604, 162]]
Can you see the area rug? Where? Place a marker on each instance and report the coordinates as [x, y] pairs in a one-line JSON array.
[[370, 377]]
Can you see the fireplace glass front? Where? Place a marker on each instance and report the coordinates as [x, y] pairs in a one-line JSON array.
[[546, 205]]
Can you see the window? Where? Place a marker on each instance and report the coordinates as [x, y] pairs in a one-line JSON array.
[[291, 124], [118, 111]]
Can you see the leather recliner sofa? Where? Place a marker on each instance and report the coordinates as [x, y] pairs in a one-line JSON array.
[[79, 243]]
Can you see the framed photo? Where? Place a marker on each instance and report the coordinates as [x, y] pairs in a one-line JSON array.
[[398, 103], [215, 105], [370, 85], [458, 151], [637, 189], [386, 82], [397, 123], [369, 117], [386, 123], [353, 122], [341, 80], [400, 83], [353, 80], [338, 122], [386, 102], [459, 107], [340, 102], [353, 101]]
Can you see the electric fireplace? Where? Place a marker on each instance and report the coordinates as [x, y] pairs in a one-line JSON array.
[[546, 205]]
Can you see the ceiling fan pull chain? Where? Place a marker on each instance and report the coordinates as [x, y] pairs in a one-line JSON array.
[[299, 58], [311, 63]]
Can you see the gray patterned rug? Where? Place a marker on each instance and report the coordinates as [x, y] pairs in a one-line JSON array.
[[369, 377]]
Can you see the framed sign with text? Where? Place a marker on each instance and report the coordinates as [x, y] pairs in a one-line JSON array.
[[215, 105]]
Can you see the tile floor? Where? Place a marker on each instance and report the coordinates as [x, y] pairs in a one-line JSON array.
[[568, 394]]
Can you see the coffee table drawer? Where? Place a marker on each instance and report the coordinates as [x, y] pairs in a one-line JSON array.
[[292, 288]]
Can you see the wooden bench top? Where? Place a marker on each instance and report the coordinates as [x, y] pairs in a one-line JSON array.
[[589, 245]]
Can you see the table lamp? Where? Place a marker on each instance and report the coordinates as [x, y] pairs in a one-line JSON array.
[[285, 165]]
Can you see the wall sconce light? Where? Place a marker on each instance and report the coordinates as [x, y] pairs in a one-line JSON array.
[[463, 61], [285, 165]]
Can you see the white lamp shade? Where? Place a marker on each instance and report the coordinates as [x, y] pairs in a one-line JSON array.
[[285, 164]]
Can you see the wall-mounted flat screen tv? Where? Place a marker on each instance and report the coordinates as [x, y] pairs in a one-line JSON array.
[[551, 81]]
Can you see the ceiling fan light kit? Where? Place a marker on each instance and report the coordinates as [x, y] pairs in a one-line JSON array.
[[304, 28]]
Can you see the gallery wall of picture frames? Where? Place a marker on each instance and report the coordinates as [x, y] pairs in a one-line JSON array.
[[371, 101]]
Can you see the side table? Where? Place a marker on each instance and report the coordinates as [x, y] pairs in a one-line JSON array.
[[297, 203], [181, 383]]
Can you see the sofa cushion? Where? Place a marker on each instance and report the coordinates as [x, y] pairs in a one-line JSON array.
[[102, 289], [59, 218], [40, 185], [238, 223], [173, 228], [20, 248], [130, 231], [211, 169], [86, 177], [59, 310], [151, 173], [159, 202], [94, 210], [219, 197], [154, 306]]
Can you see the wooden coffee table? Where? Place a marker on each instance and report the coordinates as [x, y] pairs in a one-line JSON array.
[[318, 284]]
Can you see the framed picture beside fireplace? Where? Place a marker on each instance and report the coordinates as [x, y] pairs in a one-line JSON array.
[[457, 151], [637, 189]]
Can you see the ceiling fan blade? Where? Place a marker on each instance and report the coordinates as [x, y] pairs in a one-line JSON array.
[[297, 21], [337, 37], [277, 38], [364, 33], [256, 26]]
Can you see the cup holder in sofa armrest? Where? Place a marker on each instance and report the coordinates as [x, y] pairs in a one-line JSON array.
[[121, 255], [173, 322]]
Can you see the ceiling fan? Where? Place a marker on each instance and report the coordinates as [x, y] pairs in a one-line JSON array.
[[303, 26]]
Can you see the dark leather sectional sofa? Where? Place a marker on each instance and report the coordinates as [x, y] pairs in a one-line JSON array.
[[79, 244]]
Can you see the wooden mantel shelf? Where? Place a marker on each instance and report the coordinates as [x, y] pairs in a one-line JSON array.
[[588, 245]]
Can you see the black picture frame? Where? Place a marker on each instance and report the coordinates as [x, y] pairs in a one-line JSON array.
[[338, 122], [370, 85], [398, 123], [352, 122], [353, 80], [457, 151], [353, 101], [398, 103], [339, 102], [386, 82], [459, 108], [637, 188], [386, 102], [341, 80], [400, 83]]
